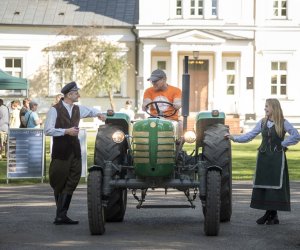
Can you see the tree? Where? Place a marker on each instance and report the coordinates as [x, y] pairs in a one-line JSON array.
[[96, 65]]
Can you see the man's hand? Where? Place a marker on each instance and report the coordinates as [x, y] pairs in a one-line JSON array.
[[176, 106], [228, 136], [102, 117], [74, 131]]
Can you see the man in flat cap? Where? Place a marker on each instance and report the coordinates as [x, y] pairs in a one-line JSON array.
[[65, 168], [162, 92]]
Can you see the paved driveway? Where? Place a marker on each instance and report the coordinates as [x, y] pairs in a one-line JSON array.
[[27, 212]]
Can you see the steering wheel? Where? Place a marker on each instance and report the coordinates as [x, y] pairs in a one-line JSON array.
[[160, 113]]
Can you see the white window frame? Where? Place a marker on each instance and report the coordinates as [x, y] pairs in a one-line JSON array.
[[156, 59], [234, 72], [123, 84], [59, 83], [16, 72], [279, 9], [278, 73], [196, 8], [207, 9], [214, 8], [178, 8]]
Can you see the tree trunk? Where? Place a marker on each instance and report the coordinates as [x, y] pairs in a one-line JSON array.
[[111, 100]]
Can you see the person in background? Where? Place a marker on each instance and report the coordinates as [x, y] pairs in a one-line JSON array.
[[57, 99], [15, 114], [271, 189], [31, 117], [65, 168], [4, 127], [23, 111], [127, 109], [161, 91]]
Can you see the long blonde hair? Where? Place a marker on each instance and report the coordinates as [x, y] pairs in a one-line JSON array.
[[277, 115]]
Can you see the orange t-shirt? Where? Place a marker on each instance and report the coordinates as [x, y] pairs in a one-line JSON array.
[[171, 94]]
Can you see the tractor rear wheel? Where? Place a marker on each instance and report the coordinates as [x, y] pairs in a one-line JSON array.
[[213, 202], [217, 151], [95, 207], [107, 150]]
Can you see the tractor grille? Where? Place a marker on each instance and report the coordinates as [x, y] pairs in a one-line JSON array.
[[159, 148], [141, 147]]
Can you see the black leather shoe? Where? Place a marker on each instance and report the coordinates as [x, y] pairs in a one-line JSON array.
[[65, 220], [273, 220], [262, 220]]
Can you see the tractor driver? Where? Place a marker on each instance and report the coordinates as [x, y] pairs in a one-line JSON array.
[[161, 92]]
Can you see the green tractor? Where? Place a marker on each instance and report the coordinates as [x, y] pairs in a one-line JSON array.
[[149, 154], [152, 156]]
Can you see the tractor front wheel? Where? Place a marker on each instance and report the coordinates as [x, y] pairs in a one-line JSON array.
[[217, 151], [107, 150], [213, 203], [95, 207]]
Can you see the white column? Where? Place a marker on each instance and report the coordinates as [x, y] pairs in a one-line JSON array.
[[147, 48], [207, 9], [218, 87], [221, 6], [145, 69], [185, 9], [174, 66]]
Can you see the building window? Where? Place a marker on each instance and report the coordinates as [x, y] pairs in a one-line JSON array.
[[63, 70], [214, 8], [13, 66], [178, 7], [279, 8], [162, 65], [230, 73], [278, 78], [196, 8]]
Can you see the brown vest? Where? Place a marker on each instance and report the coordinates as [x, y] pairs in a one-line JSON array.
[[64, 146]]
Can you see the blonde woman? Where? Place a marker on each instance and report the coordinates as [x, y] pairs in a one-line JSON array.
[[271, 189]]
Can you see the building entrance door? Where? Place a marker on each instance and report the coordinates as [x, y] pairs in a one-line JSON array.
[[198, 70]]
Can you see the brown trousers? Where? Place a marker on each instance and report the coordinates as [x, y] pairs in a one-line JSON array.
[[65, 175]]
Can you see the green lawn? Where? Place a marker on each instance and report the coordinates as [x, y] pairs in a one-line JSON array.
[[243, 160]]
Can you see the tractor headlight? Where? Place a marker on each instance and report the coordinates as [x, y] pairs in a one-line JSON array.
[[190, 136], [118, 136]]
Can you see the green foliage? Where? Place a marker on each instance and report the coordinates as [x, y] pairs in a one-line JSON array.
[[96, 65]]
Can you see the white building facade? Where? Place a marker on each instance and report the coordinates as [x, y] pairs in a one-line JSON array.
[[240, 51]]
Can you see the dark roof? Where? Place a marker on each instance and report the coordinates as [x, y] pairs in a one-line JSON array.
[[69, 12]]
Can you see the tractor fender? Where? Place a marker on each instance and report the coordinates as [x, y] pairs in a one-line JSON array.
[[214, 167], [95, 168]]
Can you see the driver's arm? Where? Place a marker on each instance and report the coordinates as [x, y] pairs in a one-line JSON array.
[[145, 102], [177, 103]]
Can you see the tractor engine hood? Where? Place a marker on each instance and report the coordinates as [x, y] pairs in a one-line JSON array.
[[154, 147]]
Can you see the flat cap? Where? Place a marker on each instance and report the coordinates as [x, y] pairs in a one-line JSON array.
[[157, 75], [71, 86], [32, 103]]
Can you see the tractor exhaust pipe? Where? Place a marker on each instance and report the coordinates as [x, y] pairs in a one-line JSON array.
[[185, 93]]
